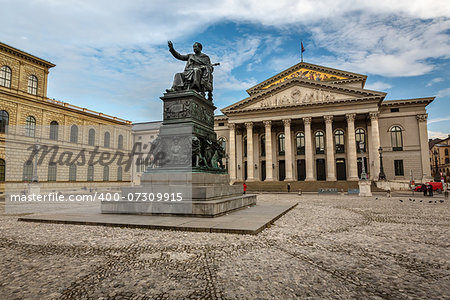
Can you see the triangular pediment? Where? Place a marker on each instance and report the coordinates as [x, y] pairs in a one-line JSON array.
[[297, 91], [298, 95], [309, 72]]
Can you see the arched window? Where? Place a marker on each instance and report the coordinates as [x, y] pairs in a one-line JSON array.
[[320, 143], [52, 172], [119, 174], [4, 121], [396, 138], [245, 146], [105, 173], [27, 174], [120, 141], [74, 134], [91, 137], [2, 170], [339, 141], [90, 173], [30, 126], [106, 140], [263, 145], [5, 76], [360, 136], [300, 143], [281, 148], [32, 85], [73, 172], [54, 130], [223, 144]]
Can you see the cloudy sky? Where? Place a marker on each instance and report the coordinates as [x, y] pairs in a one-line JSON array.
[[111, 56]]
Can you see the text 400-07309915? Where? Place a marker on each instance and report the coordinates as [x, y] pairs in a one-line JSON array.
[[157, 197]]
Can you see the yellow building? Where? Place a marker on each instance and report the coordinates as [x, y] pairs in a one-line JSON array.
[[29, 118], [440, 154]]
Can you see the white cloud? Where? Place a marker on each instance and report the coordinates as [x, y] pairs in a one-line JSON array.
[[437, 134], [378, 86], [438, 120], [435, 80], [116, 50], [443, 93], [385, 45]]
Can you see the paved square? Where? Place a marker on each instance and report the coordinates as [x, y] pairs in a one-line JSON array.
[[326, 247]]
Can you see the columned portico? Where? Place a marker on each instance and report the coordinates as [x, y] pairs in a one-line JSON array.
[[375, 137], [423, 136], [303, 124], [268, 135], [351, 154], [308, 149], [331, 166], [250, 167], [232, 152], [288, 149]]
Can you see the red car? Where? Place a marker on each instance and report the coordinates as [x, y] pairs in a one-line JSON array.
[[437, 186]]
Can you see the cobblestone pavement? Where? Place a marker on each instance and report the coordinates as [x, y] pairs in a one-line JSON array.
[[327, 247]]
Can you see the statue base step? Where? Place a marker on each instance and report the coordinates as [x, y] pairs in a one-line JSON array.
[[182, 193], [210, 208]]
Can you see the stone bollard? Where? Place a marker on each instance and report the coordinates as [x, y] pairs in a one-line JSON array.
[[446, 195], [299, 192]]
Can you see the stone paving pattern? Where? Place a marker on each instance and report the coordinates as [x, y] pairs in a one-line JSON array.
[[329, 246]]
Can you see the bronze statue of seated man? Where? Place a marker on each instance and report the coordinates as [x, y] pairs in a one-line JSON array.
[[197, 74]]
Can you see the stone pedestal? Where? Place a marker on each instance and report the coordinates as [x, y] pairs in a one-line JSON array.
[[364, 188], [187, 176]]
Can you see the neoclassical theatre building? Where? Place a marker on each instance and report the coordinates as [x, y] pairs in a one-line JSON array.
[[313, 123]]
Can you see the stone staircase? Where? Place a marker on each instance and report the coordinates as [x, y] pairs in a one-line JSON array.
[[304, 186]]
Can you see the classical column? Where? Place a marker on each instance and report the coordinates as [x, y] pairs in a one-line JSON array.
[[423, 136], [375, 133], [232, 152], [250, 166], [352, 151], [269, 170], [331, 166], [288, 149], [308, 150]]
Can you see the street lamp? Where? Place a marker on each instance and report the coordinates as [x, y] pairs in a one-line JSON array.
[[363, 167], [437, 178], [381, 176]]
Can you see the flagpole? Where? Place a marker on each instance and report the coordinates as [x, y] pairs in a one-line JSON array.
[[302, 49]]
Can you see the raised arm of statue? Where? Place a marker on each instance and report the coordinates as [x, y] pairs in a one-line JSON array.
[[175, 53]]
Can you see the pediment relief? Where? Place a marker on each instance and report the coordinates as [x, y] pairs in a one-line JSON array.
[[307, 74], [299, 95]]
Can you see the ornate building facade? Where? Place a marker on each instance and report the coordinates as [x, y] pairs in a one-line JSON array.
[[440, 157], [28, 117], [313, 123]]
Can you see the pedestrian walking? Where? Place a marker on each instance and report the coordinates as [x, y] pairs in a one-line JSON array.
[[430, 190], [424, 189], [289, 187], [245, 188]]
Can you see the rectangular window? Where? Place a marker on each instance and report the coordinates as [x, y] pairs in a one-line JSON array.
[[221, 124], [52, 172], [395, 109], [398, 167]]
